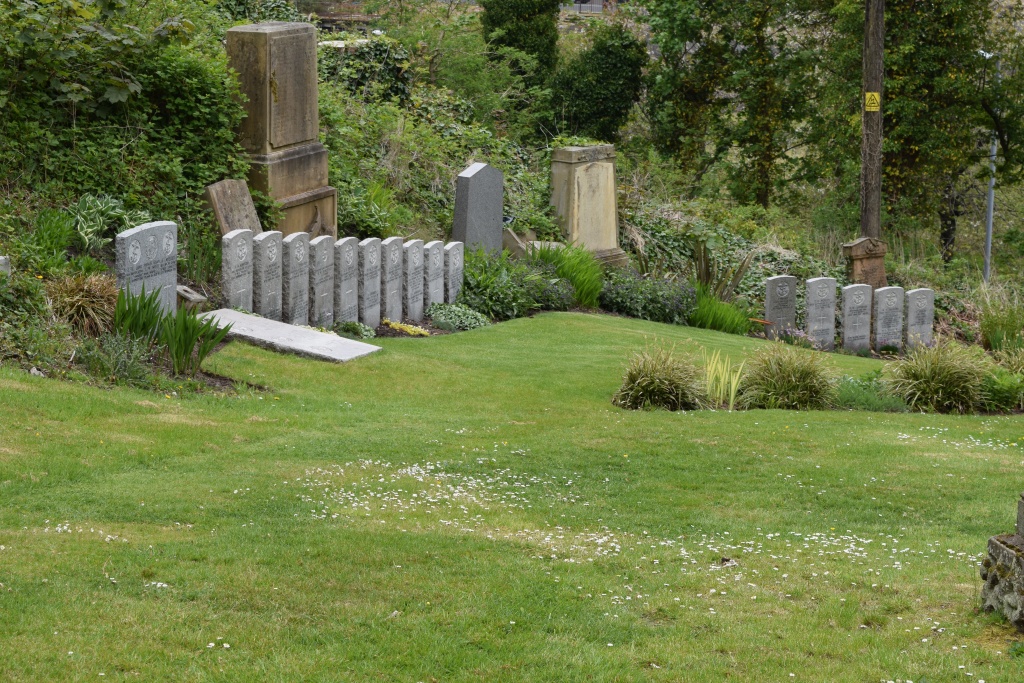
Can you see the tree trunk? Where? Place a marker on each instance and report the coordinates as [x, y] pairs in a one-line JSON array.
[[952, 207], [871, 141]]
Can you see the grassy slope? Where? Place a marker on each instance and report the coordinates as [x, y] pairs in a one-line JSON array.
[[534, 550]]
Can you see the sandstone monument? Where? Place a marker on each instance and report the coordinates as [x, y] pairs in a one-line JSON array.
[[584, 194]]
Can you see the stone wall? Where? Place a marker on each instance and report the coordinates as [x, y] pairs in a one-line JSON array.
[[1003, 573]]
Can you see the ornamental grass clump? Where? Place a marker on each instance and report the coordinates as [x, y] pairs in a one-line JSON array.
[[781, 377], [579, 267], [945, 378], [656, 378], [86, 302]]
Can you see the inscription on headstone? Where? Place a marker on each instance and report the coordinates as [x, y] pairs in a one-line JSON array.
[[147, 258], [920, 317], [412, 280], [391, 278], [321, 282], [454, 259], [295, 279], [820, 319], [433, 273], [346, 280], [857, 318], [888, 310], [479, 207], [780, 305], [369, 282], [236, 269], [266, 282]]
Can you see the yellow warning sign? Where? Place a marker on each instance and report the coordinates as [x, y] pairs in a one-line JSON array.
[[872, 101]]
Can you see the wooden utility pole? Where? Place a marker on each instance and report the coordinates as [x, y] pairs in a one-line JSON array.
[[871, 141]]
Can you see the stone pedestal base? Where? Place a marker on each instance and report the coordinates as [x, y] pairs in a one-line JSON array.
[[1003, 574], [866, 262], [314, 212], [615, 258], [297, 178]]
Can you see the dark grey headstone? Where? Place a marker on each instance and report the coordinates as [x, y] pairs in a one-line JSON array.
[[391, 278], [433, 273], [454, 261], [369, 282], [780, 305], [295, 279], [267, 251], [857, 318], [820, 319], [147, 258], [346, 280], [920, 317], [479, 207], [236, 269], [888, 311], [412, 280], [321, 282]]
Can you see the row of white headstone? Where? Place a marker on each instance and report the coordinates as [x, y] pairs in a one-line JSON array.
[[884, 318], [321, 282]]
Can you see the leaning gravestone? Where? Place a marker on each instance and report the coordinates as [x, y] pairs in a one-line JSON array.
[[920, 317], [780, 305], [1003, 573], [232, 206], [454, 256], [295, 279], [888, 311], [412, 280], [267, 273], [820, 319], [346, 280], [391, 278], [857, 318], [236, 269], [479, 207], [433, 273], [5, 265], [369, 282], [321, 282], [147, 258]]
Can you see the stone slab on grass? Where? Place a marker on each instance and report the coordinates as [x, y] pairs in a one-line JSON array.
[[286, 338]]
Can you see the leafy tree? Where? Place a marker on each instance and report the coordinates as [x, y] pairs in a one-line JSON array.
[[595, 91], [529, 26]]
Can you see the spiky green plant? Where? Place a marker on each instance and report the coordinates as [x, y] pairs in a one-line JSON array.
[[138, 316], [722, 379], [656, 378], [189, 339], [780, 376], [579, 267], [714, 314], [945, 378]]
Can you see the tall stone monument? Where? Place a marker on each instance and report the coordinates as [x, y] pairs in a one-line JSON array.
[[346, 280], [267, 272], [147, 259], [920, 317], [391, 279], [780, 305], [295, 279], [888, 310], [820, 319], [236, 269], [1003, 573], [454, 260], [433, 273], [857, 318], [585, 196], [412, 280], [321, 282], [866, 261], [479, 207], [276, 65], [369, 282]]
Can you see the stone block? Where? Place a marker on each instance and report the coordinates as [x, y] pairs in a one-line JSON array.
[[920, 317], [857, 318], [5, 265], [454, 261], [295, 279], [412, 280], [479, 207], [820, 317], [236, 269], [433, 273], [369, 282], [391, 278], [232, 206], [584, 193], [780, 305], [512, 243], [866, 261], [267, 285], [289, 172], [321, 282], [147, 259], [346, 280], [190, 299], [888, 313]]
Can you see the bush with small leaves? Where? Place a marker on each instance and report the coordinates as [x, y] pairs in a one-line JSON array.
[[944, 378], [629, 293], [354, 330], [118, 359], [453, 317], [781, 377], [656, 378]]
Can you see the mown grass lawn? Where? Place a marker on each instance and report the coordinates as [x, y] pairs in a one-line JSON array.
[[472, 508]]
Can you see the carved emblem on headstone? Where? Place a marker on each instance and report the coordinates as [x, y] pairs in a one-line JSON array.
[[168, 243], [272, 252], [921, 303], [134, 252], [457, 261], [822, 293], [350, 256], [243, 250], [415, 258], [890, 299], [858, 299], [373, 257], [436, 258], [782, 289], [300, 252], [394, 257], [151, 247]]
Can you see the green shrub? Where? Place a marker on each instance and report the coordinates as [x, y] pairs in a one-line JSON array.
[[86, 302], [189, 339], [259, 10], [99, 218], [21, 298], [1012, 359], [579, 267], [138, 316], [354, 330], [454, 317], [628, 293], [1002, 325], [1003, 391], [656, 378], [945, 378], [45, 249], [713, 314], [373, 70], [782, 377], [868, 393], [528, 26], [497, 286], [118, 359]]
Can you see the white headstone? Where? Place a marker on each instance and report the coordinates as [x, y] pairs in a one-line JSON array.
[[780, 305], [321, 282], [236, 269], [433, 273], [346, 280], [857, 318], [295, 282], [820, 318], [369, 282], [5, 265], [147, 259], [267, 273], [454, 260], [888, 310], [391, 278], [412, 280], [920, 317]]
